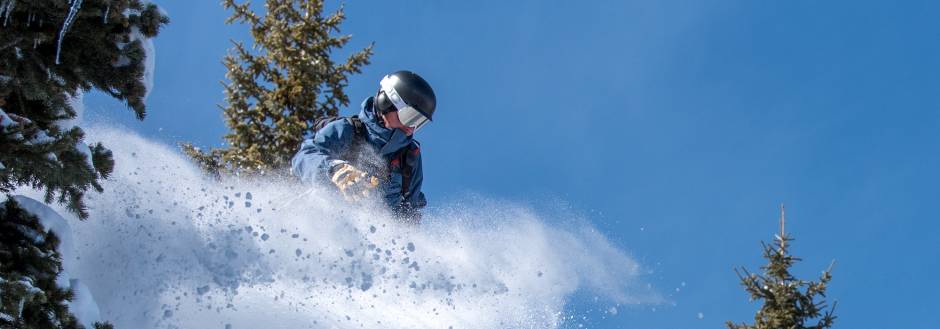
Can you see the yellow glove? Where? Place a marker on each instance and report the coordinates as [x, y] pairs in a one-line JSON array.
[[355, 184]]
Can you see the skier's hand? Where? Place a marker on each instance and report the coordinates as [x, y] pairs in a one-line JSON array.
[[355, 184]]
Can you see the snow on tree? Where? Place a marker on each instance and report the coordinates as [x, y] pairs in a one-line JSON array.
[[789, 303], [36, 291], [280, 85], [34, 242], [51, 51], [29, 264]]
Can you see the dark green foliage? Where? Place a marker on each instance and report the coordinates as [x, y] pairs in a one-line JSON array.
[[789, 303], [29, 264], [40, 148], [280, 85], [36, 148]]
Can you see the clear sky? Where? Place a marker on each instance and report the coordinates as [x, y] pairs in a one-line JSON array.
[[675, 127]]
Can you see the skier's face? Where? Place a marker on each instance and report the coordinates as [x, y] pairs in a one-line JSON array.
[[392, 121]]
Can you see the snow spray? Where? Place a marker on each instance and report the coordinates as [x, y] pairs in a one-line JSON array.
[[166, 247]]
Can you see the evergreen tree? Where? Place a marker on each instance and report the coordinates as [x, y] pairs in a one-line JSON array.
[[50, 52], [279, 86], [29, 265], [789, 303]]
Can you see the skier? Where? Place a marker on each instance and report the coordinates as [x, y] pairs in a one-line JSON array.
[[374, 150]]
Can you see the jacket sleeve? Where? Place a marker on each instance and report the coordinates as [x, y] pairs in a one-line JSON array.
[[317, 155]]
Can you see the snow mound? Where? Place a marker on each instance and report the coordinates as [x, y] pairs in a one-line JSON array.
[[167, 248]]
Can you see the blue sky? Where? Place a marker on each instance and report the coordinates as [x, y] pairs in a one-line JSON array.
[[675, 127]]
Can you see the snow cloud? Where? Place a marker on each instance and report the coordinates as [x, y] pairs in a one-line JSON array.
[[167, 248]]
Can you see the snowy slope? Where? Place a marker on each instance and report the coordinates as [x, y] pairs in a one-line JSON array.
[[166, 248]]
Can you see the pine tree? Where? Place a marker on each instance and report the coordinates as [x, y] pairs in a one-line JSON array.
[[279, 86], [789, 303], [29, 265], [51, 51]]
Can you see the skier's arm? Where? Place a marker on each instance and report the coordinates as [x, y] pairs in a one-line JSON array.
[[321, 153]]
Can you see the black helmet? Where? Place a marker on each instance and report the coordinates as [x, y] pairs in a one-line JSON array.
[[410, 95]]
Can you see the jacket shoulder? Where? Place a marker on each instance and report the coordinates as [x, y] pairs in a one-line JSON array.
[[339, 129]]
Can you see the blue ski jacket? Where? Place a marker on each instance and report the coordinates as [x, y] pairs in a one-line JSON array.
[[379, 156]]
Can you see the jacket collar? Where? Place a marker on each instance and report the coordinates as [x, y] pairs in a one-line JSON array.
[[377, 133]]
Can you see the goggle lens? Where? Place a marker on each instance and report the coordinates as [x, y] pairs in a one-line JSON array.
[[410, 117]]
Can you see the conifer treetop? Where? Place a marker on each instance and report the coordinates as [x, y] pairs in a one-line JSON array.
[[788, 302], [279, 85]]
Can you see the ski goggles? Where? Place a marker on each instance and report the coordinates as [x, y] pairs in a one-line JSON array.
[[407, 114]]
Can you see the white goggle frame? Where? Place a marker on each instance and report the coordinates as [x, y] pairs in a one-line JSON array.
[[408, 115]]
